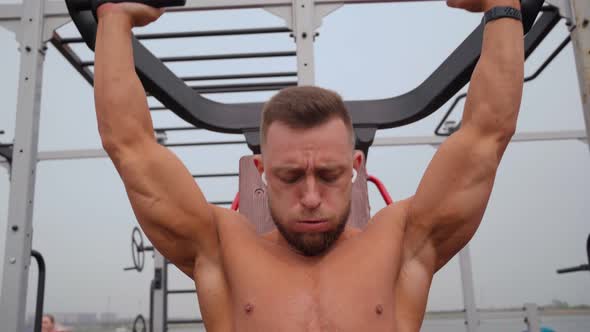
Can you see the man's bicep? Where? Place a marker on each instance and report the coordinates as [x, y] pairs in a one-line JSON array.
[[168, 204], [453, 194]]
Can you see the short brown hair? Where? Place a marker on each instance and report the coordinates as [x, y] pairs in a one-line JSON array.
[[303, 108]]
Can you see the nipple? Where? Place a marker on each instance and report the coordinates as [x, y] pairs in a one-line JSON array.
[[379, 309]]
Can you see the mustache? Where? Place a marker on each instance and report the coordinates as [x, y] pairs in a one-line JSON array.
[[311, 216]]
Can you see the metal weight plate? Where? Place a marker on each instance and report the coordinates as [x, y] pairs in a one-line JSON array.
[[137, 249], [139, 324]]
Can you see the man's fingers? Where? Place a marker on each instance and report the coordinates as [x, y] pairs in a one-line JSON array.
[[469, 5], [465, 4], [454, 3]]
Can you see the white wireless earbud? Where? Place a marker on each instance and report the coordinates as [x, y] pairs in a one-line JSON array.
[[263, 176], [354, 174]]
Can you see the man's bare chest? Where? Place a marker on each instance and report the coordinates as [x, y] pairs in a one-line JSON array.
[[349, 290]]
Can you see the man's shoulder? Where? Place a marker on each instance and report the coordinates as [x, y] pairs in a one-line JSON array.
[[395, 213], [230, 217], [230, 221], [388, 223]]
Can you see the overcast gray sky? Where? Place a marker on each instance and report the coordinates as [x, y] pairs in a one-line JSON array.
[[537, 219]]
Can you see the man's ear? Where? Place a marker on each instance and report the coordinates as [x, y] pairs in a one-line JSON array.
[[358, 160], [258, 163]]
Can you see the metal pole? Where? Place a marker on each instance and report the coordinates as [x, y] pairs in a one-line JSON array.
[[541, 136], [531, 317], [20, 212], [471, 314], [40, 290], [581, 41], [151, 319], [304, 34], [158, 315]]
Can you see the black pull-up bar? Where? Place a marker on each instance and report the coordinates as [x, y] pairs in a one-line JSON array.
[[6, 151], [80, 5], [583, 267], [368, 116], [454, 126]]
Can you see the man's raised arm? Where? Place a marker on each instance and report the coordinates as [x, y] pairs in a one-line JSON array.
[[165, 198], [452, 197]]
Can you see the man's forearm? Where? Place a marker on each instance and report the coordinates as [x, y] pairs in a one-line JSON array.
[[495, 92], [121, 104]]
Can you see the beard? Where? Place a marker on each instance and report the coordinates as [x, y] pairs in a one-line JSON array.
[[312, 244]]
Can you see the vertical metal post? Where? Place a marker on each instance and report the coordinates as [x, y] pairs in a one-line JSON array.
[[40, 290], [158, 314], [19, 234], [532, 319], [304, 34], [581, 42], [471, 314]]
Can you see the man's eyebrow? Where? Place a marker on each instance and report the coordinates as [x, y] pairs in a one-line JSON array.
[[331, 167], [282, 169], [322, 168]]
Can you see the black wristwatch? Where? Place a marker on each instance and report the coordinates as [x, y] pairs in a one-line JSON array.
[[501, 12]]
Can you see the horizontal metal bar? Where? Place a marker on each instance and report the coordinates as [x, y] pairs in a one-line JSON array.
[[193, 5], [184, 321], [359, 2], [217, 57], [72, 154], [219, 175], [238, 76], [484, 315], [194, 34], [179, 145], [251, 87], [564, 135], [181, 291], [580, 268], [71, 56], [221, 202], [176, 129], [229, 56], [520, 137], [550, 136], [11, 12], [158, 108]]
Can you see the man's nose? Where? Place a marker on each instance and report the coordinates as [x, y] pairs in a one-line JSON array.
[[311, 198]]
